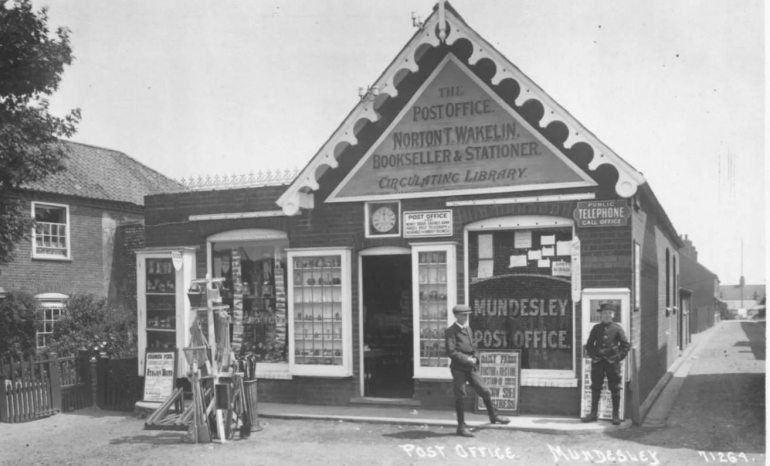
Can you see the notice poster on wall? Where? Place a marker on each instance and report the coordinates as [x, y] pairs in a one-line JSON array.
[[605, 401], [159, 375], [501, 372], [522, 239]]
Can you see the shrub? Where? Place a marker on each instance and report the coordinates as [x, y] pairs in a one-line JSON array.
[[94, 324], [18, 324]]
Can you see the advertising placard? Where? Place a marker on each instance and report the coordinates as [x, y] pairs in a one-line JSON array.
[[605, 401], [428, 223], [501, 372], [159, 375]]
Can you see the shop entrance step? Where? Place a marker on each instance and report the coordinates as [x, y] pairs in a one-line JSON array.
[[372, 401]]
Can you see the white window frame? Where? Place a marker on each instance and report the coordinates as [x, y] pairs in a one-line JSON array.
[[50, 301], [346, 369], [37, 255], [529, 377], [265, 370], [450, 248], [621, 294]]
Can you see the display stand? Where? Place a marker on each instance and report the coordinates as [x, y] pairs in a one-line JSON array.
[[219, 404]]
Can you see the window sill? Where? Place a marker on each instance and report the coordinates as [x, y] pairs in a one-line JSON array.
[[51, 258], [270, 375], [549, 382]]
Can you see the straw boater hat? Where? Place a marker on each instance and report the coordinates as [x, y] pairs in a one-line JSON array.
[[607, 307], [461, 309]]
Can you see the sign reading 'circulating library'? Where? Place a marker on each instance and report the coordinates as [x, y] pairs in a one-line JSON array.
[[457, 136]]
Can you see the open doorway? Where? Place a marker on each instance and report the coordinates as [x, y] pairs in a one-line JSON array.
[[387, 299]]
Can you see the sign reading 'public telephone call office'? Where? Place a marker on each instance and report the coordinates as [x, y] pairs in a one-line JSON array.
[[457, 136], [613, 213]]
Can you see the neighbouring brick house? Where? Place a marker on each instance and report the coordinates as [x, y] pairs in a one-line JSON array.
[[458, 181], [90, 217], [703, 285]]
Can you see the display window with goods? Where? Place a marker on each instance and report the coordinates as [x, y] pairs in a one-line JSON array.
[[319, 312], [434, 278], [253, 267], [163, 311], [519, 285]]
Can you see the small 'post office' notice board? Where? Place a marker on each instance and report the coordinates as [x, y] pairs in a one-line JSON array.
[[159, 375], [501, 372]]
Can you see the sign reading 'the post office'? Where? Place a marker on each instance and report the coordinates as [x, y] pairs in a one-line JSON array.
[[427, 223], [612, 213]]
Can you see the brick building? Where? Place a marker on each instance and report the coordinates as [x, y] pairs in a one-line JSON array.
[[703, 285], [458, 180], [85, 214]]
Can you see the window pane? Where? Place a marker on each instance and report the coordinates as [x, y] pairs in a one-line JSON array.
[[50, 214], [526, 304]]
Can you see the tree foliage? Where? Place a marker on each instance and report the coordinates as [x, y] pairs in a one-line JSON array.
[[32, 60], [18, 324], [97, 325]]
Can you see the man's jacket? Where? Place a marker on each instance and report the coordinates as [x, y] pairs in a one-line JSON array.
[[607, 341], [459, 347]]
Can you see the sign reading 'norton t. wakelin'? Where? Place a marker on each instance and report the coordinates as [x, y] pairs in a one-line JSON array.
[[456, 136]]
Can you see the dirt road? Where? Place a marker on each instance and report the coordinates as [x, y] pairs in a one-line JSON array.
[[719, 410]]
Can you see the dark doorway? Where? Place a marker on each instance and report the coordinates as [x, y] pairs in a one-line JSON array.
[[387, 297]]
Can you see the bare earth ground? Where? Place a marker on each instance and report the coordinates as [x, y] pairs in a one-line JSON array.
[[720, 409]]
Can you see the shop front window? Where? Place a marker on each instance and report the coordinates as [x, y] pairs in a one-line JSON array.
[[318, 310], [319, 293], [255, 291], [520, 293], [434, 280]]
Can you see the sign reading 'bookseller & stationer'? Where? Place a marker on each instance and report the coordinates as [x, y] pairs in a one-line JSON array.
[[613, 213]]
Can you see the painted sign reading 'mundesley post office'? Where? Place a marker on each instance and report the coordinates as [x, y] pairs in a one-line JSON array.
[[614, 213], [456, 136]]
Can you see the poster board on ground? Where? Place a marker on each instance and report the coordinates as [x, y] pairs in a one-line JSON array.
[[159, 375], [501, 372], [605, 400]]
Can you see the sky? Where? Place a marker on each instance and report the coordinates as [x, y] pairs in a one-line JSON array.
[[675, 87]]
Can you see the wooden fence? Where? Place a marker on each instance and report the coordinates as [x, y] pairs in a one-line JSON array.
[[118, 387], [39, 386]]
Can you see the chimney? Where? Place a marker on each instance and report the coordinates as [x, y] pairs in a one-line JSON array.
[[688, 249]]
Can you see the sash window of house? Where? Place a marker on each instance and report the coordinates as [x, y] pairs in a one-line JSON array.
[[51, 307], [51, 233]]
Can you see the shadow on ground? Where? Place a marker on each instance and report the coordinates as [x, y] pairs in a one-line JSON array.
[[418, 435], [95, 412], [165, 438], [757, 340]]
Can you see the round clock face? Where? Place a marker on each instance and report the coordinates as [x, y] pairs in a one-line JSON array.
[[383, 219]]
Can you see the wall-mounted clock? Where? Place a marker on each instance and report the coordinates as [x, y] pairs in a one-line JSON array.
[[383, 219]]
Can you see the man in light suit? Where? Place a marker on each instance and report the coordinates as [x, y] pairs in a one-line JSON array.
[[465, 369]]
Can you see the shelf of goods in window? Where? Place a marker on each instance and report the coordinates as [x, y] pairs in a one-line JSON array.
[[161, 323]]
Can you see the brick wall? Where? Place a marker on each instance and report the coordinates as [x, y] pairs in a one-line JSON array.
[[653, 331], [90, 234]]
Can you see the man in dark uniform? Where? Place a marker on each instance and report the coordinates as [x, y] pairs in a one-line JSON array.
[[607, 346], [465, 369]]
